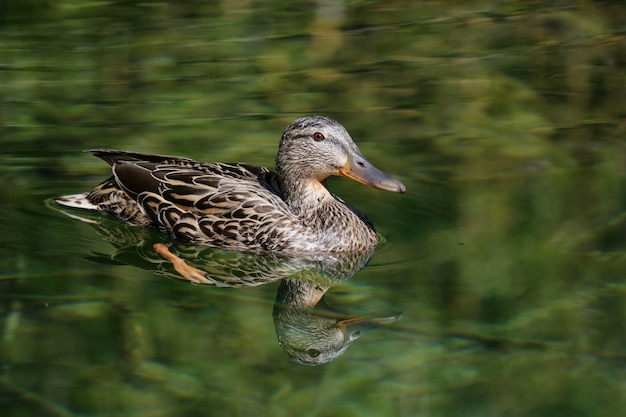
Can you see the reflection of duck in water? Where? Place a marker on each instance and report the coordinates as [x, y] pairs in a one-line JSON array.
[[308, 331], [245, 207], [311, 335]]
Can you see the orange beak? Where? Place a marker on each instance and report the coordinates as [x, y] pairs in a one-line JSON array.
[[361, 170]]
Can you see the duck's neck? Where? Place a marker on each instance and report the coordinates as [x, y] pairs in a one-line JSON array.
[[330, 223], [305, 195], [305, 293]]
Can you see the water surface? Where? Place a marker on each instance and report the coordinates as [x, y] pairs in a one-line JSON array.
[[506, 256]]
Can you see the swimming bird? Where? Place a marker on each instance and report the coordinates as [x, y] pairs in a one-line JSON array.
[[245, 207]]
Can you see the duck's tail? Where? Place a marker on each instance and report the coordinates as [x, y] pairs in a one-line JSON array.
[[107, 198], [92, 200], [80, 201]]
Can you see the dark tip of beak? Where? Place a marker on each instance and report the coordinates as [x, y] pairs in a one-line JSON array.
[[396, 186]]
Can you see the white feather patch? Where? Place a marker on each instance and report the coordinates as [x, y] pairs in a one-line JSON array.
[[77, 201]]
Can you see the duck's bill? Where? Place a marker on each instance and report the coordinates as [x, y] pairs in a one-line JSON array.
[[355, 327], [361, 170]]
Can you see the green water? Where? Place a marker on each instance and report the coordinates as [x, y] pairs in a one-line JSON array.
[[506, 256]]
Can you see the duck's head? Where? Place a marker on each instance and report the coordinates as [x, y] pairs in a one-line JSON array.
[[313, 148], [315, 337]]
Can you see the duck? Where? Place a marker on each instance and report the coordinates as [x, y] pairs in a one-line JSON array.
[[245, 207]]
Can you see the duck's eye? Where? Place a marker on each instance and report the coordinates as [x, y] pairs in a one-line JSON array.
[[318, 137], [314, 353]]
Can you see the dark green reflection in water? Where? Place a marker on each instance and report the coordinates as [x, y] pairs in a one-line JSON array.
[[505, 121]]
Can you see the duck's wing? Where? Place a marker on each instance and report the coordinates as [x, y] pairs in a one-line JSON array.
[[134, 169], [114, 156], [212, 207], [216, 188], [236, 205]]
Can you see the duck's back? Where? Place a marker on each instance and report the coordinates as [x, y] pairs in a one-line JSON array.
[[238, 206]]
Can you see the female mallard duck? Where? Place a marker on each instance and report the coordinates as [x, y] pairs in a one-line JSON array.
[[246, 207]]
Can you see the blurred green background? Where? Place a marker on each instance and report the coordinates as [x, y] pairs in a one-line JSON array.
[[504, 119]]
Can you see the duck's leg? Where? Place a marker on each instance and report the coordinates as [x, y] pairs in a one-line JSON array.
[[186, 271]]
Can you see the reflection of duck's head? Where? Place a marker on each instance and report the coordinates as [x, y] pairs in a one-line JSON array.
[[312, 336]]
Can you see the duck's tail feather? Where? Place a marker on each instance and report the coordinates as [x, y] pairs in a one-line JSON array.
[[114, 156], [80, 201]]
